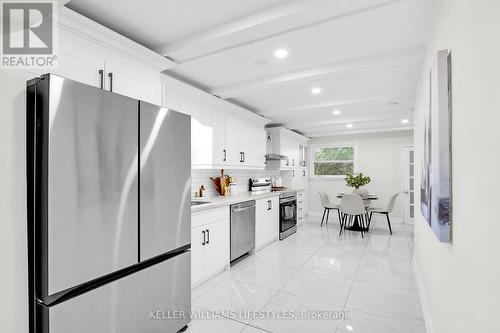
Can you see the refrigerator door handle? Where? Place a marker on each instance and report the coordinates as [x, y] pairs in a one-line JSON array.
[[204, 238], [101, 78], [110, 75]]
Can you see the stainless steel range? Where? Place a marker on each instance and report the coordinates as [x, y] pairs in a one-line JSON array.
[[288, 214]]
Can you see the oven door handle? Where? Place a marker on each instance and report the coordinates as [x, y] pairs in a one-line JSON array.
[[288, 201]]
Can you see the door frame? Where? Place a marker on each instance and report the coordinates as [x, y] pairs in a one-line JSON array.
[[405, 215]]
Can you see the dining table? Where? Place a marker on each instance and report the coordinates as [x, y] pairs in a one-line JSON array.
[[356, 226]]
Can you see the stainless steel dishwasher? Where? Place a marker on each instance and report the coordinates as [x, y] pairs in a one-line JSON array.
[[242, 228]]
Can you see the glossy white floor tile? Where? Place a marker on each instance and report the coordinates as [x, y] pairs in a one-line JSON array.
[[251, 329], [215, 325], [299, 315], [302, 245], [344, 264], [284, 258], [370, 279], [391, 302], [265, 275], [386, 271], [364, 322], [206, 287], [322, 287], [236, 297]]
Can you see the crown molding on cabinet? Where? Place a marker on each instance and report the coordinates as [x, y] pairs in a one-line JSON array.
[[80, 25]]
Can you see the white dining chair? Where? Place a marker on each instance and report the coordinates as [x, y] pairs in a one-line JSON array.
[[384, 211], [352, 207], [327, 206]]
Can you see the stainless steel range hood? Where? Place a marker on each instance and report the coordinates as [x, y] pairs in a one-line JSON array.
[[276, 157]]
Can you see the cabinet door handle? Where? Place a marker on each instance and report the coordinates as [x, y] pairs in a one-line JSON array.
[[225, 155], [208, 236], [293, 173], [101, 78], [293, 161], [287, 162], [241, 157], [268, 204], [303, 173], [204, 238], [110, 75]]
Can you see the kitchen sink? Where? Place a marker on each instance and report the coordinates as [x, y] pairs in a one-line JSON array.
[[196, 203]]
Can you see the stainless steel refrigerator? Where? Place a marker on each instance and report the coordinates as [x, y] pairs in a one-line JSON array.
[[109, 217]]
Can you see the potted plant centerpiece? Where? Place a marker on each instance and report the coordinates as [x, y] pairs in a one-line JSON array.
[[357, 181]]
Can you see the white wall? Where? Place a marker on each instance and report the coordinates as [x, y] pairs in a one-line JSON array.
[[13, 249], [460, 281], [379, 156]]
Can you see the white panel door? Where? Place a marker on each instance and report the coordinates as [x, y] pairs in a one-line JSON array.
[[408, 181]]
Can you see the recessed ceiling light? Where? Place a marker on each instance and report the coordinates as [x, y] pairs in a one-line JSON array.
[[349, 125], [404, 121], [281, 53], [260, 62], [336, 112], [392, 103], [315, 91]]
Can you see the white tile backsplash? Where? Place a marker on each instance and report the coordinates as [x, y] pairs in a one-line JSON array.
[[202, 177]]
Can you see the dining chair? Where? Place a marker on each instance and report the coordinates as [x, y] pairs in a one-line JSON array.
[[352, 207], [327, 206], [384, 211]]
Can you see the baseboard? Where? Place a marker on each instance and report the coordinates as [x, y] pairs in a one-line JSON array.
[[423, 300]]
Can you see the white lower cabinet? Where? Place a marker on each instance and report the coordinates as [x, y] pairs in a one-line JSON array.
[[209, 243], [266, 221], [301, 206]]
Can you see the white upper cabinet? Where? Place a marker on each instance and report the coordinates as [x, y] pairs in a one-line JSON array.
[[236, 140], [222, 135], [282, 141], [245, 143], [256, 153], [129, 78], [92, 54]]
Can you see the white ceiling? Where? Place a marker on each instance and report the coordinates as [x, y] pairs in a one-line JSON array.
[[365, 55]]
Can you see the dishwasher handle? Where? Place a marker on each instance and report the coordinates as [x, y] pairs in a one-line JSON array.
[[242, 206], [236, 210]]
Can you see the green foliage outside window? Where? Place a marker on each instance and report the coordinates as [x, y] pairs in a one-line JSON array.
[[334, 161]]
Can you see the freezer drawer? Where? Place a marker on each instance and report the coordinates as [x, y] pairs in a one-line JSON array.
[[91, 190], [155, 300], [165, 180]]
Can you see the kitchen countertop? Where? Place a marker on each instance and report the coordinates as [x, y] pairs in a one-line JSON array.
[[220, 201]]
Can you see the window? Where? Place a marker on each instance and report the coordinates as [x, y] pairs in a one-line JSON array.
[[333, 160]]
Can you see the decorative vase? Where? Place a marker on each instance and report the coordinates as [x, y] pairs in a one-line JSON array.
[[362, 192]]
